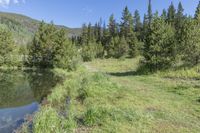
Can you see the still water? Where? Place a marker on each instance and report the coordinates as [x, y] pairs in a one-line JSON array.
[[20, 95]]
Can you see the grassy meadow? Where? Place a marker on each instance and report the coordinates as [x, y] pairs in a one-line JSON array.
[[111, 96]]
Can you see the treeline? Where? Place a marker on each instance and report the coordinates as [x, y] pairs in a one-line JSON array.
[[164, 40]]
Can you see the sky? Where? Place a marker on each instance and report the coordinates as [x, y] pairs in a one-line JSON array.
[[73, 13]]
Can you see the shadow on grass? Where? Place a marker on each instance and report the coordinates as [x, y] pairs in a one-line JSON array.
[[140, 71], [123, 74], [198, 100]]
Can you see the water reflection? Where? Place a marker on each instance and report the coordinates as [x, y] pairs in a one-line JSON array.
[[20, 93]]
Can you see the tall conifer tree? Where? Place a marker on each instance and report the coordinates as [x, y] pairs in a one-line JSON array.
[[171, 14]]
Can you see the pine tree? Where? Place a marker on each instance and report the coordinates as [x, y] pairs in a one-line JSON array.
[[197, 13], [137, 21], [8, 53], [89, 51], [137, 24], [111, 48], [37, 46], [133, 45], [150, 14], [105, 39], [127, 32], [112, 26], [65, 52], [126, 25], [84, 35], [41, 51], [99, 31], [95, 30], [179, 22], [145, 27], [164, 14], [159, 45], [179, 16], [99, 50], [171, 14], [191, 42], [90, 33], [122, 47]]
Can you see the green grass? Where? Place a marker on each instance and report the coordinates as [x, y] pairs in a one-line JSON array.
[[112, 97], [161, 102]]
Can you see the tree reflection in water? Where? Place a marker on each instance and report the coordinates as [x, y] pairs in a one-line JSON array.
[[20, 94]]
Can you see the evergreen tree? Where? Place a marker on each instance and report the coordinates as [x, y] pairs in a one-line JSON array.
[[105, 39], [89, 51], [90, 33], [99, 31], [122, 47], [145, 27], [164, 14], [84, 35], [8, 50], [179, 14], [50, 48], [65, 52], [127, 32], [111, 48], [179, 22], [95, 30], [41, 49], [197, 13], [99, 50], [113, 33], [171, 14], [190, 42], [133, 45], [137, 21], [137, 24], [150, 14], [159, 45], [126, 25], [112, 26]]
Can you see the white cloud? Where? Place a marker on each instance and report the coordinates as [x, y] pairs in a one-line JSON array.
[[6, 3]]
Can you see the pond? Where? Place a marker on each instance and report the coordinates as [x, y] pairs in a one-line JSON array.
[[20, 95]]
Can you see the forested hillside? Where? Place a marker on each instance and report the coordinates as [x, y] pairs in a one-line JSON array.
[[23, 28]]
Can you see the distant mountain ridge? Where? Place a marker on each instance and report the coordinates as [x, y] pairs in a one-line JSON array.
[[24, 27]]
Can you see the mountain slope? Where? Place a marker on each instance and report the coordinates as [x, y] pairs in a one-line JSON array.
[[23, 27]]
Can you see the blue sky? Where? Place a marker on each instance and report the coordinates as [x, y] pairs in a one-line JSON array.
[[73, 13]]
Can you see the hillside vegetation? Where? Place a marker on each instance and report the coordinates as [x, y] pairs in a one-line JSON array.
[[23, 28]]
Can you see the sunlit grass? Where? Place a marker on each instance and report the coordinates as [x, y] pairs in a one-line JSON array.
[[116, 99]]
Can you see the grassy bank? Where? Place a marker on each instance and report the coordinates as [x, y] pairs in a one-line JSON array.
[[110, 96]]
